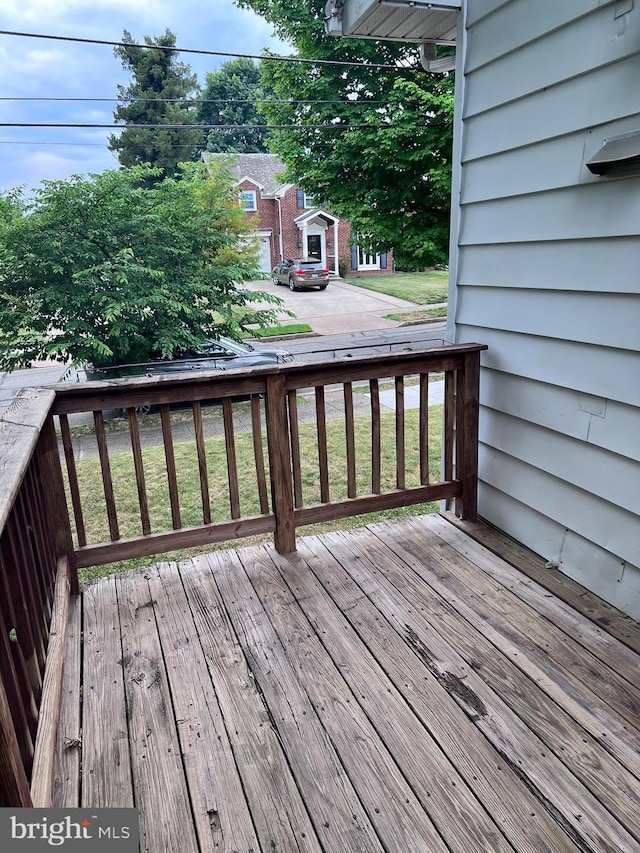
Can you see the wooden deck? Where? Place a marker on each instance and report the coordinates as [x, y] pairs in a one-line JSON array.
[[398, 688]]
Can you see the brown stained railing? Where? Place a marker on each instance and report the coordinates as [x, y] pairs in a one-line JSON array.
[[36, 576], [291, 487]]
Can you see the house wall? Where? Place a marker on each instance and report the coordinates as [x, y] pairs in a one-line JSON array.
[[546, 271]]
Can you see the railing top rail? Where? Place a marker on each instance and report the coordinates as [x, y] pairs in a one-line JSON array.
[[20, 427], [183, 387]]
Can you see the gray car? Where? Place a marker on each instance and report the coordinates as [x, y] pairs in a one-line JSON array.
[[301, 272], [213, 354]]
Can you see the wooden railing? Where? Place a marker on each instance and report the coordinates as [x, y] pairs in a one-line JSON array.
[[257, 476]]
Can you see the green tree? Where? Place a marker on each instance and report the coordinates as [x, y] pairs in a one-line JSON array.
[[102, 269], [231, 97], [161, 93], [383, 156]]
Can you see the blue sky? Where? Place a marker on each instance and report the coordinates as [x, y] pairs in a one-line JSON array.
[[33, 68]]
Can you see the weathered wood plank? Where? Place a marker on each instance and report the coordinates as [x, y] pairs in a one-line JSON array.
[[221, 814], [280, 464], [72, 479], [354, 694], [349, 427], [106, 768], [161, 796], [136, 449], [602, 722], [203, 473], [19, 693], [321, 430], [612, 620], [66, 781], [338, 816], [449, 418], [400, 449], [258, 453], [160, 543], [540, 779], [612, 652], [542, 640], [107, 481], [424, 429], [278, 812], [49, 717], [295, 448], [170, 459], [374, 392], [232, 465], [14, 785], [375, 503]]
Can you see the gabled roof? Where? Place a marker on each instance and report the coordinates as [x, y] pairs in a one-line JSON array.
[[262, 169]]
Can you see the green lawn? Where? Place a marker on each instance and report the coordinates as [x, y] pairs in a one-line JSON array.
[[189, 485], [423, 288], [277, 331]]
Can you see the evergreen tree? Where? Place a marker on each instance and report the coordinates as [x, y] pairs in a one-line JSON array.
[[160, 93]]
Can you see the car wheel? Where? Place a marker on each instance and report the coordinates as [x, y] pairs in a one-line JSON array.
[[322, 287], [274, 279], [292, 284]]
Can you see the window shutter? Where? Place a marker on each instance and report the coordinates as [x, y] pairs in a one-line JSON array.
[[300, 199], [354, 257], [383, 261]]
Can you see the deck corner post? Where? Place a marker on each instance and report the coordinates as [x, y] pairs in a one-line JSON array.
[[467, 411], [280, 464]]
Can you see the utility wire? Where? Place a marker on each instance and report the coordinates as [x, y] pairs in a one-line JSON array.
[[192, 126], [200, 52], [360, 103]]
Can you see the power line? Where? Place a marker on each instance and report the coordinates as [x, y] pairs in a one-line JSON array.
[[191, 126], [286, 103], [262, 57]]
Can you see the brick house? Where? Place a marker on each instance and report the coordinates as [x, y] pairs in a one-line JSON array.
[[291, 225]]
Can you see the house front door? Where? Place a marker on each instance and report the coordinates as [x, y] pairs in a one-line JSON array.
[[314, 246]]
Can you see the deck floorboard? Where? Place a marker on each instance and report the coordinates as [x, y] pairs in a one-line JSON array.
[[395, 688]]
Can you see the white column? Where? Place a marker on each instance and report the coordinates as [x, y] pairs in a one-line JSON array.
[[336, 247]]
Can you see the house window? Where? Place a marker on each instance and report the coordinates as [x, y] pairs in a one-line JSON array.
[[367, 261], [309, 201], [248, 200]]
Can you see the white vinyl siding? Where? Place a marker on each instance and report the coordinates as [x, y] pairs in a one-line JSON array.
[[547, 273]]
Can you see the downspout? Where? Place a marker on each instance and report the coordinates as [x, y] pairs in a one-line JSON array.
[[280, 240], [336, 248]]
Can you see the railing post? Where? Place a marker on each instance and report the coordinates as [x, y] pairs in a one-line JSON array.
[[51, 473], [280, 464], [467, 410]]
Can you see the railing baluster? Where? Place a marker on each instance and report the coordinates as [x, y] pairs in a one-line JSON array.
[[280, 464], [172, 480], [400, 449], [258, 453], [323, 462], [295, 448], [349, 426], [136, 449], [468, 404], [232, 467], [14, 785], [72, 478], [202, 461], [424, 429], [18, 694], [449, 422], [107, 482], [374, 391]]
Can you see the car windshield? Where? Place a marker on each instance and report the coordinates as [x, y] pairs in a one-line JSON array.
[[310, 265]]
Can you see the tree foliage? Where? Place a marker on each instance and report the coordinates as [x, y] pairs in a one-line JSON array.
[[385, 162], [160, 92], [231, 96], [102, 269]]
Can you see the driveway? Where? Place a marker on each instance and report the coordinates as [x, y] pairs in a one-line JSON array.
[[340, 308]]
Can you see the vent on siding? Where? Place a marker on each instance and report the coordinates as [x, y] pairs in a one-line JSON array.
[[618, 156]]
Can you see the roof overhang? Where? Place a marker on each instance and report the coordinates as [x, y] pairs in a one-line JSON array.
[[395, 20]]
